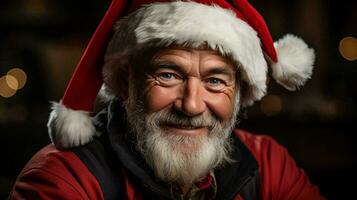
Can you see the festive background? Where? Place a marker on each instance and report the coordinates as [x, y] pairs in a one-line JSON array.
[[42, 40]]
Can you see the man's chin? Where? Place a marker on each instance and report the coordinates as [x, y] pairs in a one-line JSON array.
[[180, 158]]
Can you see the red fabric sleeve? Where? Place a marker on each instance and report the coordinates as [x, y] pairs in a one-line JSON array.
[[54, 174], [280, 177]]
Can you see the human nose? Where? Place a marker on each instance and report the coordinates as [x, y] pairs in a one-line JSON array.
[[192, 101]]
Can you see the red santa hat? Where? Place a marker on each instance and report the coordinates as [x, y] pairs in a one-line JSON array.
[[232, 27]]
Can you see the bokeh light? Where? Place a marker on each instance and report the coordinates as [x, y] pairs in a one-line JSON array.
[[20, 76], [12, 82], [348, 48], [271, 105], [35, 7], [5, 90], [328, 108]]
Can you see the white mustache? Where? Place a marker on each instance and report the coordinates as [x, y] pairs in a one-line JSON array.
[[173, 118]]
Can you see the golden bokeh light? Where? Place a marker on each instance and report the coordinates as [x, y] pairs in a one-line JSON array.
[[328, 109], [20, 76], [271, 105], [12, 82], [5, 90], [36, 7], [348, 48]]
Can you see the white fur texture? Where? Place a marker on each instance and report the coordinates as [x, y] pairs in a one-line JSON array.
[[69, 128], [295, 62], [193, 24]]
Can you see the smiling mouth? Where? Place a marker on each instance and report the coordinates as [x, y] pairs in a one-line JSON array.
[[186, 130], [181, 126]]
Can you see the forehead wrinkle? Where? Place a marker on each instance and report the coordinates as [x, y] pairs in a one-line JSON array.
[[214, 63], [220, 70], [172, 52], [193, 62], [184, 63]]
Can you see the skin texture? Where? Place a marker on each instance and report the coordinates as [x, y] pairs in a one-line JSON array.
[[192, 82]]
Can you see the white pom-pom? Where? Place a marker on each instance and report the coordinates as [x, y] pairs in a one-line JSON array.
[[295, 62], [69, 128]]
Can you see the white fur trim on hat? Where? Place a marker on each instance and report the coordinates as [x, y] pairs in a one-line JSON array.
[[295, 62], [69, 128], [192, 24]]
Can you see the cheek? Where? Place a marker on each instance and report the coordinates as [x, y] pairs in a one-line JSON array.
[[158, 97], [221, 104]]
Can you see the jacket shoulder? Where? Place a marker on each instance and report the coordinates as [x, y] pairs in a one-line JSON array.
[[281, 178], [256, 143], [55, 174]]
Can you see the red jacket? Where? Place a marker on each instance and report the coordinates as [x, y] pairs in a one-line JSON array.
[[55, 174]]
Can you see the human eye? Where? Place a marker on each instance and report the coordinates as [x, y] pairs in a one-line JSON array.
[[166, 75], [215, 81], [215, 84], [168, 78]]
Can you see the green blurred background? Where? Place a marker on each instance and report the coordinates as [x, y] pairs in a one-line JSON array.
[[41, 42]]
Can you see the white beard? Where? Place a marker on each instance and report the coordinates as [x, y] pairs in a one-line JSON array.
[[183, 159], [177, 158]]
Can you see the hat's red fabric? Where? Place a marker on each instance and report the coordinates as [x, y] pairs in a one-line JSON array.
[[86, 81]]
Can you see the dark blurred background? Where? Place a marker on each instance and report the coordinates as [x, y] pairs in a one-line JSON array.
[[42, 40]]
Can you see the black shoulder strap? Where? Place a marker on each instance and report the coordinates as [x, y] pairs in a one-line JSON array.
[[240, 177], [99, 162], [252, 191]]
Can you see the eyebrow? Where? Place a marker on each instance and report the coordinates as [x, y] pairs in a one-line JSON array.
[[155, 64], [220, 70], [224, 70]]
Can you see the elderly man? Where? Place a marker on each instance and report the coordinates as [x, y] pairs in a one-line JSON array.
[[175, 77]]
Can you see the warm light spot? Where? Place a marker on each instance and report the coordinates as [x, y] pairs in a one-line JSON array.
[[20, 76], [348, 48], [328, 108], [12, 82], [5, 90], [271, 105], [35, 7]]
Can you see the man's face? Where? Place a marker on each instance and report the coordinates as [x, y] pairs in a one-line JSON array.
[[182, 109], [192, 82]]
